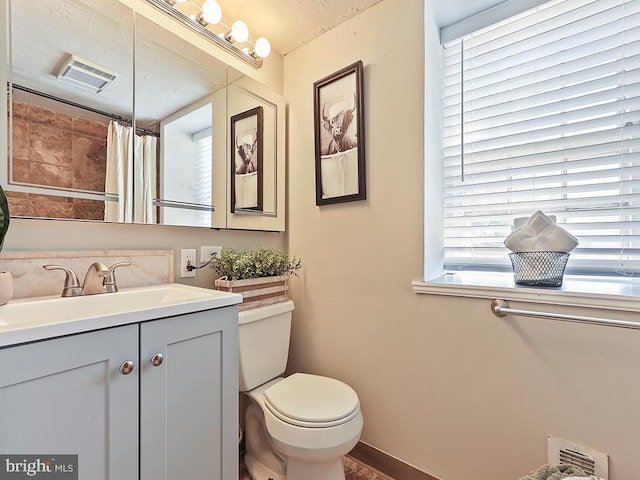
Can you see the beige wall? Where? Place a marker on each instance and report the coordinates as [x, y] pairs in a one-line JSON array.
[[444, 385], [37, 235]]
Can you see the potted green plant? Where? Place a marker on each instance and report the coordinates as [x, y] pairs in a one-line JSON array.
[[6, 281], [260, 275]]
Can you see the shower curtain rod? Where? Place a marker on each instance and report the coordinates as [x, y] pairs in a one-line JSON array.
[[501, 308], [83, 107]]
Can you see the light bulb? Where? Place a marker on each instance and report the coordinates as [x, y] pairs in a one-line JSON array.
[[239, 31], [211, 12], [263, 47]]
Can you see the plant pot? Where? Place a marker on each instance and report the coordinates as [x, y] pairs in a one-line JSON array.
[[257, 292], [6, 287]]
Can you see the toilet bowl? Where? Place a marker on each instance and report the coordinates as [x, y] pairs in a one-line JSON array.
[[299, 427], [296, 427]]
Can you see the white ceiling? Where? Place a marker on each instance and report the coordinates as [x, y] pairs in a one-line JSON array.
[[288, 24]]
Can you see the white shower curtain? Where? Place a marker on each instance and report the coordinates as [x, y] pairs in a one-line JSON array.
[[145, 179], [126, 177]]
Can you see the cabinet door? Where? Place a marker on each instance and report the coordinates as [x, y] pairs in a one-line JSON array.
[[189, 403], [67, 396]]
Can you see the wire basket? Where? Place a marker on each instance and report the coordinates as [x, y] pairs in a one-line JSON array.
[[540, 269]]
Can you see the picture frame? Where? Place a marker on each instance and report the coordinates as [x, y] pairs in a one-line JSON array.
[[340, 149], [246, 160]]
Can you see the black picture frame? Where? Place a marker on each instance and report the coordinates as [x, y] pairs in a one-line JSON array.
[[246, 160], [340, 151]]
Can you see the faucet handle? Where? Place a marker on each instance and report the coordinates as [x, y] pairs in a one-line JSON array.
[[71, 284], [110, 284]]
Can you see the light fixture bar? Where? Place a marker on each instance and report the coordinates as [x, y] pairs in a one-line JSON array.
[[255, 62]]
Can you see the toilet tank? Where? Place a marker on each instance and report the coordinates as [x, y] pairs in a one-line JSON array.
[[263, 339]]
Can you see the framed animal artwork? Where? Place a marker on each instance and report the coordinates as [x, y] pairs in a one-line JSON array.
[[339, 136], [246, 160]]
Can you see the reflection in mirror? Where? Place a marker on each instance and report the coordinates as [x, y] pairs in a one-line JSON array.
[[245, 96], [71, 74], [180, 92], [80, 149], [246, 160]]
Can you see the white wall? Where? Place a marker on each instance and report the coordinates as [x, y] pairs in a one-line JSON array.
[[444, 385]]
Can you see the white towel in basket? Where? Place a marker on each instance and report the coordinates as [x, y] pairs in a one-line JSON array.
[[540, 233]]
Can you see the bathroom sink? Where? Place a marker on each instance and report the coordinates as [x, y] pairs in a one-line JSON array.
[[32, 319]]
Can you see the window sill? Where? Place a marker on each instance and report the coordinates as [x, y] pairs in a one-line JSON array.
[[611, 293]]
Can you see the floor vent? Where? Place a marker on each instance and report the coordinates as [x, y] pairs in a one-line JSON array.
[[577, 459], [590, 461]]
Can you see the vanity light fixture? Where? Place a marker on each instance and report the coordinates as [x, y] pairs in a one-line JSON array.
[[262, 48], [239, 32], [210, 15]]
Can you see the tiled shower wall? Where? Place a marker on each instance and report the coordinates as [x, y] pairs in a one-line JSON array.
[[54, 149]]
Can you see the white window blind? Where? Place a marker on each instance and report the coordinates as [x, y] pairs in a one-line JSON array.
[[203, 175], [542, 112]]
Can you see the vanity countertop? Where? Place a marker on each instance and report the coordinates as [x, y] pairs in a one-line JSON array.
[[39, 318]]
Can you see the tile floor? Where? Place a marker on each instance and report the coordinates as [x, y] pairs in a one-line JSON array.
[[353, 470]]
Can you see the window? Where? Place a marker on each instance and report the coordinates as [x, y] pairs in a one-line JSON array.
[[202, 172], [542, 112]]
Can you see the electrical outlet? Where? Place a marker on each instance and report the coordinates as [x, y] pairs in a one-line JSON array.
[[187, 257], [207, 252]]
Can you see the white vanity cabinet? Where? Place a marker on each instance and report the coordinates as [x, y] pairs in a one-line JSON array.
[[189, 403], [174, 416], [66, 396]]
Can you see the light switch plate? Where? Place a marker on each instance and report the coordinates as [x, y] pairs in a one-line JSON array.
[[207, 251]]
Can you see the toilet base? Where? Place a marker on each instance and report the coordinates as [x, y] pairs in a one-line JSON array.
[[296, 470], [259, 471], [332, 470]]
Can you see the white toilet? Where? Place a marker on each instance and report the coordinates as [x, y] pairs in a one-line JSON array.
[[298, 427]]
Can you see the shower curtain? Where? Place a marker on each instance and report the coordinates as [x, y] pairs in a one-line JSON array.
[[130, 175]]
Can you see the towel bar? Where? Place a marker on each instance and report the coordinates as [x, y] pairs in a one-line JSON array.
[[501, 308]]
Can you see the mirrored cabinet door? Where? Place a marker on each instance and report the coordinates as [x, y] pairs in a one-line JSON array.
[[70, 77], [180, 108], [256, 193]]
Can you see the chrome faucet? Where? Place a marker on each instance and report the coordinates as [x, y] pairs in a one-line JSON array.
[[98, 279], [94, 279]]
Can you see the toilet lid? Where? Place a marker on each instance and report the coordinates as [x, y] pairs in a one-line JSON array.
[[312, 401]]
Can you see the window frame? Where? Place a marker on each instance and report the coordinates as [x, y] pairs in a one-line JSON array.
[[589, 291]]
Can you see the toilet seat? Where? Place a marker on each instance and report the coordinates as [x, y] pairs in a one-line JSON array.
[[312, 401]]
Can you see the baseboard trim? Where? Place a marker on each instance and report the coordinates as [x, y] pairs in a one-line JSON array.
[[386, 464]]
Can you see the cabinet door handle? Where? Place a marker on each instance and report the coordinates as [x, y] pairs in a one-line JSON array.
[[157, 360], [126, 368]]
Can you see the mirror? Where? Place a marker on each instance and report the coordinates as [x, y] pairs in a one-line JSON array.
[[73, 152], [181, 94], [64, 78], [256, 198]]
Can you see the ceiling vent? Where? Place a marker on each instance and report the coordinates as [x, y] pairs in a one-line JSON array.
[[588, 460], [86, 75]]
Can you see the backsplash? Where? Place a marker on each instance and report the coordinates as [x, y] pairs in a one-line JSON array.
[[148, 267]]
